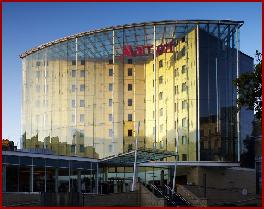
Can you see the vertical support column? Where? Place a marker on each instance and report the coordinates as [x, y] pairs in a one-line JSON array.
[[56, 180], [3, 178], [69, 177], [197, 93], [135, 162], [238, 113], [75, 95], [45, 179], [79, 180], [155, 88], [31, 183], [97, 178], [113, 90]]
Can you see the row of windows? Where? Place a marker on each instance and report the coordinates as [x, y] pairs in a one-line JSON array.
[[110, 117]]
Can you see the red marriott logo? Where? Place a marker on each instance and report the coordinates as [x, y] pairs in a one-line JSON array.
[[143, 50]]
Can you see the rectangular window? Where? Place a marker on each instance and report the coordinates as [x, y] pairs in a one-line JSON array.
[[73, 103], [38, 63], [129, 132], [110, 87], [73, 88], [82, 148], [110, 61], [160, 79], [160, 95], [129, 102], [184, 157], [161, 127], [73, 62], [110, 102], [110, 117], [82, 73], [175, 107], [110, 148], [129, 117], [82, 87], [183, 39], [72, 148], [73, 118], [82, 62], [82, 118], [110, 72], [129, 72], [161, 112], [184, 87], [183, 51], [37, 88], [82, 103], [184, 122], [38, 74], [129, 61], [184, 139], [73, 73], [176, 72], [160, 63], [184, 69], [129, 87], [184, 104], [110, 132]]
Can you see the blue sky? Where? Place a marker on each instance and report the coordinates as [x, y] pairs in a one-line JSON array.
[[26, 25]]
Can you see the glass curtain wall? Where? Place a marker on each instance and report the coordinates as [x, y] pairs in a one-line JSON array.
[[85, 96]]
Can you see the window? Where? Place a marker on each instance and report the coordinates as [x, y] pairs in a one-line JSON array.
[[129, 61], [82, 103], [110, 148], [38, 63], [184, 157], [82, 87], [184, 139], [184, 104], [73, 73], [110, 72], [82, 118], [110, 117], [161, 112], [129, 87], [176, 89], [81, 148], [175, 107], [129, 117], [184, 122], [82, 73], [110, 102], [160, 95], [110, 61], [73, 118], [160, 63], [73, 88], [73, 103], [129, 102], [110, 132], [161, 127], [37, 88], [183, 51], [184, 87], [73, 62], [183, 39], [176, 72], [82, 62], [110, 87], [38, 74], [175, 125], [160, 79], [184, 69], [129, 72], [129, 132], [73, 148]]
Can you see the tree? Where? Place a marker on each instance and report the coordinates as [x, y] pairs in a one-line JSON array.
[[250, 88]]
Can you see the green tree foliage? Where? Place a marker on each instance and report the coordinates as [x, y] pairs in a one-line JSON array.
[[250, 88]]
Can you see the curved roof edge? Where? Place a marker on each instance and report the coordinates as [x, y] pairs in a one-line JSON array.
[[126, 26]]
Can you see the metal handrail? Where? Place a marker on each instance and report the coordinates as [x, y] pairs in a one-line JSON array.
[[176, 194], [163, 195]]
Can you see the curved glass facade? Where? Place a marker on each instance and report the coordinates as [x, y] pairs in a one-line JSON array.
[[85, 94]]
